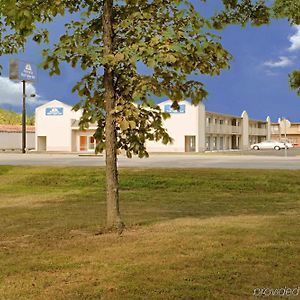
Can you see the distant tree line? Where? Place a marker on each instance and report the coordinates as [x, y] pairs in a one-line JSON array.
[[12, 118]]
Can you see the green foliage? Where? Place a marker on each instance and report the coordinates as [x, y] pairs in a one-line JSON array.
[[18, 21], [242, 12], [12, 118], [169, 37], [289, 9], [295, 81]]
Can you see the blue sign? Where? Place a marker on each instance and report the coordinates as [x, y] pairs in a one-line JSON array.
[[54, 111], [27, 71], [171, 110]]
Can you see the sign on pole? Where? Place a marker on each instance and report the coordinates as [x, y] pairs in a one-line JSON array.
[[285, 123], [25, 72], [22, 71]]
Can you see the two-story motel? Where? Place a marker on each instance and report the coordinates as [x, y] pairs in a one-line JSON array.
[[192, 128]]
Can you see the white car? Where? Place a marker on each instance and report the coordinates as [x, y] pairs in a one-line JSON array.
[[269, 145], [288, 144]]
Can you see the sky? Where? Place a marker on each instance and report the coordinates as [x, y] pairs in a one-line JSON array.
[[256, 82]]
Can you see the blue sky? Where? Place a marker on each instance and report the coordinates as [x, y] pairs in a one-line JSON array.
[[256, 82]]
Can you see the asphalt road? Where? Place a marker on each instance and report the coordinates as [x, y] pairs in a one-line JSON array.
[[236, 161]]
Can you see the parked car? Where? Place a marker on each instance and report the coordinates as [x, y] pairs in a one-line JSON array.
[[269, 145], [288, 144]]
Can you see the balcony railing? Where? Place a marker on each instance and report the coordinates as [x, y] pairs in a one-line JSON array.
[[223, 129], [236, 129], [258, 131]]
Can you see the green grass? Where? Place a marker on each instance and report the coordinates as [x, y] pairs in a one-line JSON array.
[[191, 234]]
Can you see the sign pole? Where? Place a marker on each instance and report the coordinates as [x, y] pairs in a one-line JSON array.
[[24, 118], [24, 72]]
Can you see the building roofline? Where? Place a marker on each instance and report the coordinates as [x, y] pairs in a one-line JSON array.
[[236, 117], [261, 121], [224, 115], [54, 100]]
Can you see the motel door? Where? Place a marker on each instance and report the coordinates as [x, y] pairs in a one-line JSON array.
[[83, 143], [221, 143], [42, 143], [87, 143], [234, 142], [190, 143]]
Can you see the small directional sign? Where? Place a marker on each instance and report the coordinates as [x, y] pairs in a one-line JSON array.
[[22, 71]]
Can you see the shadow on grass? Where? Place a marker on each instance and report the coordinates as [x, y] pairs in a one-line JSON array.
[[57, 200]]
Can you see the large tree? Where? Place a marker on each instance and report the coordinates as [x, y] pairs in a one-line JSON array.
[[130, 52], [133, 51]]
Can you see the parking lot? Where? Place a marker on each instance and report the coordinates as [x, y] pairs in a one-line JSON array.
[[241, 160], [281, 153]]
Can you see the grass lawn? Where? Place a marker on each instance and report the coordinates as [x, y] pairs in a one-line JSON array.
[[191, 234]]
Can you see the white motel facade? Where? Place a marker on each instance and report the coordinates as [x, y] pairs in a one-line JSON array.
[[192, 128]]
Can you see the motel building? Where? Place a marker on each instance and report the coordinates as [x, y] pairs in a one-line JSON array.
[[192, 128], [57, 129]]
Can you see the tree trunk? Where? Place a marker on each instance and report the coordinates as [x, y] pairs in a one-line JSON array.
[[112, 183]]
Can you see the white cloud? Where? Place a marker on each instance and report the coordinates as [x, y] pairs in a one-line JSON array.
[[281, 63], [295, 39], [11, 93]]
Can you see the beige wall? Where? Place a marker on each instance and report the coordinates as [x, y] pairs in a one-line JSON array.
[[179, 126], [57, 128], [13, 140]]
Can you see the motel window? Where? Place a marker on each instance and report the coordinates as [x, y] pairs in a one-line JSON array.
[[209, 120], [221, 122], [216, 121], [91, 143]]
